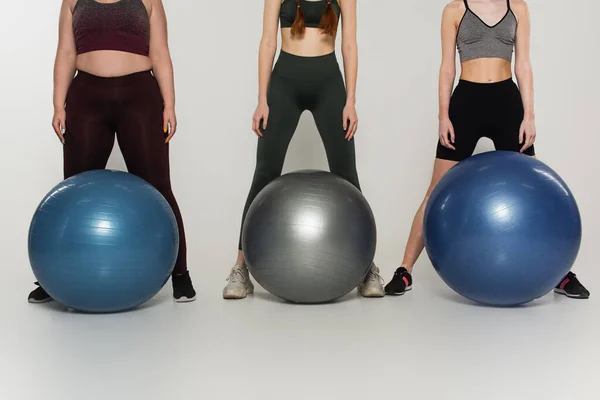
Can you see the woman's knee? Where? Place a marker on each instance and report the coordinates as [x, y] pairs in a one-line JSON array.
[[164, 187], [440, 168], [345, 169], [265, 173], [432, 186]]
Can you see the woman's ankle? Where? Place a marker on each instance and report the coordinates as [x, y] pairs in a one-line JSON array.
[[240, 258], [408, 267]]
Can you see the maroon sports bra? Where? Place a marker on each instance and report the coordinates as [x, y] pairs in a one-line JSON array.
[[121, 26]]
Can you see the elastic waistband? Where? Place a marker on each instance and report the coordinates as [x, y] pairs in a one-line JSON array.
[[284, 54], [306, 68], [114, 81], [507, 82]]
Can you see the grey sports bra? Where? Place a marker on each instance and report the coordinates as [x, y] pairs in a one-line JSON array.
[[476, 39]]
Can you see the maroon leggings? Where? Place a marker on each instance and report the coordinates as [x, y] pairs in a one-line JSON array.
[[131, 106]]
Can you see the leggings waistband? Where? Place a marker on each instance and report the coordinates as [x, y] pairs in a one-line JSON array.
[[114, 81], [477, 85], [306, 68], [494, 89]]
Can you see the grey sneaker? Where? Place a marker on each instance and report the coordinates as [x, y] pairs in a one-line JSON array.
[[372, 285], [239, 284]]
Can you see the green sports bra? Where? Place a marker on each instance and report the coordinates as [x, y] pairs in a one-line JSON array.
[[313, 10]]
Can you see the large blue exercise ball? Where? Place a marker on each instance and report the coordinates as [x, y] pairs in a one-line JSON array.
[[103, 241], [502, 228], [309, 237]]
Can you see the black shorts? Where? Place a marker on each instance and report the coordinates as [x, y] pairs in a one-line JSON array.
[[492, 110]]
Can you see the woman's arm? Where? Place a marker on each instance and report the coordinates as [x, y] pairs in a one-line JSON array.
[[162, 65], [64, 67], [349, 48], [266, 55], [350, 54], [524, 72], [452, 14]]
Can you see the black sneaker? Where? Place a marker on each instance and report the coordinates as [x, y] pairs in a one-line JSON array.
[[400, 283], [39, 295], [571, 287], [183, 290]]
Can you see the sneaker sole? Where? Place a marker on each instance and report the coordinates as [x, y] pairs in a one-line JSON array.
[[372, 294], [184, 299], [571, 296], [230, 296], [234, 296], [408, 289], [34, 301]]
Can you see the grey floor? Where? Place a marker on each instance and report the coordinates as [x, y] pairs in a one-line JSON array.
[[429, 344]]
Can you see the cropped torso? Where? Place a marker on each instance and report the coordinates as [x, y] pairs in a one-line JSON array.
[[313, 42], [486, 48]]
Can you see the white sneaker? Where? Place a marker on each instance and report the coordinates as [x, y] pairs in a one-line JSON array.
[[239, 285], [372, 285]]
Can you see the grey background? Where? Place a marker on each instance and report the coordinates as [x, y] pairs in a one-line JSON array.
[[214, 48]]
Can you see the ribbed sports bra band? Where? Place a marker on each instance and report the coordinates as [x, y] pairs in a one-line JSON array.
[[298, 2], [328, 2]]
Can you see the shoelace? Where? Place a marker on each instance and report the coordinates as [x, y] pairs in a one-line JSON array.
[[374, 276], [236, 276]]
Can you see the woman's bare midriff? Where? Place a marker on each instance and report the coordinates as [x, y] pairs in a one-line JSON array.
[[110, 63], [486, 70], [313, 44]]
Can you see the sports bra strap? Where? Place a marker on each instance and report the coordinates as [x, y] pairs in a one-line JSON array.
[[508, 4], [467, 4]]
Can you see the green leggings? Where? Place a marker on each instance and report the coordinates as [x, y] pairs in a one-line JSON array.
[[298, 84]]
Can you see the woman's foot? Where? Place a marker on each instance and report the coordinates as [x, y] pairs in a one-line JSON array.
[[183, 290], [239, 284], [400, 283], [39, 295], [372, 285], [571, 287]]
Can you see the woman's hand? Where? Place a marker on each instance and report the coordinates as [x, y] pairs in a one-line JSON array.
[[527, 134], [169, 123], [261, 116], [447, 133], [58, 123], [350, 121]]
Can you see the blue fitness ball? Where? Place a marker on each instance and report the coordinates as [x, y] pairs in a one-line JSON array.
[[502, 228], [103, 241]]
